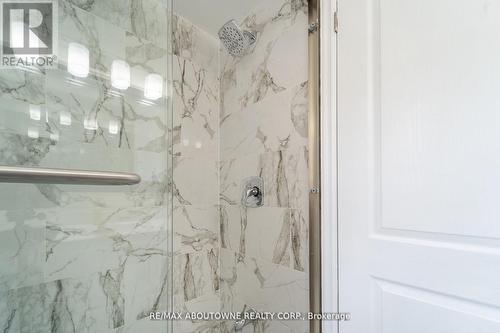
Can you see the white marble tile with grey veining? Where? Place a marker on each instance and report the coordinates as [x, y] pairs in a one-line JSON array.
[[196, 110], [278, 235], [196, 228], [195, 181], [103, 39], [263, 232], [146, 286], [192, 43], [268, 326], [114, 236], [22, 86], [69, 306], [22, 255], [143, 325], [204, 304], [277, 62], [266, 286], [145, 57], [93, 113], [284, 174], [277, 123], [116, 12], [195, 275], [149, 20]]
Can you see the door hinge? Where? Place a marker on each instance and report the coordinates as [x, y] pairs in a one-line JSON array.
[[313, 27], [314, 190], [336, 22]]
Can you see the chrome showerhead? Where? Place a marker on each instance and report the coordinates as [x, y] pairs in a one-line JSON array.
[[235, 40]]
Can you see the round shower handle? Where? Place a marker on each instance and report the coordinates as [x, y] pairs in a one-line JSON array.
[[254, 192]]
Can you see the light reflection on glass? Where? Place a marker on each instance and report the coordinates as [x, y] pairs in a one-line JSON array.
[[114, 127], [146, 102], [153, 87], [78, 60], [90, 124], [33, 133], [185, 142], [54, 136], [198, 145], [120, 74], [35, 112], [65, 118]]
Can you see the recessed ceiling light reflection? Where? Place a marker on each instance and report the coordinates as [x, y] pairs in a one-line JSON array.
[[114, 127], [78, 60], [185, 142], [33, 133], [65, 118], [198, 145], [153, 87], [54, 136], [35, 112], [120, 74], [90, 124]]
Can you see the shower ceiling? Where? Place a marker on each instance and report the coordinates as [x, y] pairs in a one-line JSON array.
[[210, 15]]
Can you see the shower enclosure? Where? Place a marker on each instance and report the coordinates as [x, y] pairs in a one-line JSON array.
[[240, 79], [161, 165]]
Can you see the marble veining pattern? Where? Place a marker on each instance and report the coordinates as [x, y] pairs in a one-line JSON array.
[[250, 116], [264, 132], [196, 175]]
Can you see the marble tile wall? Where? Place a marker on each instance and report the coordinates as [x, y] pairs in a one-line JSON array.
[[196, 174], [88, 258], [264, 132], [235, 118]]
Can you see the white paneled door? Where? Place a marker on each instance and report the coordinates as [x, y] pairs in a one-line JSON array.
[[419, 165]]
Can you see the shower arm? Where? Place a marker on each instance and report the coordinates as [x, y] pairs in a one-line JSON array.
[[12, 174]]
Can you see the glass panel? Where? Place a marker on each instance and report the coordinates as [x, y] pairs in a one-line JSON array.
[[90, 258]]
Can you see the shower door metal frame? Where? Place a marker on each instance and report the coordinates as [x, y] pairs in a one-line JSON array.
[[314, 123], [323, 227]]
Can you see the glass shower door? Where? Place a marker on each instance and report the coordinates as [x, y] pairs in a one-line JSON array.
[[76, 253]]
